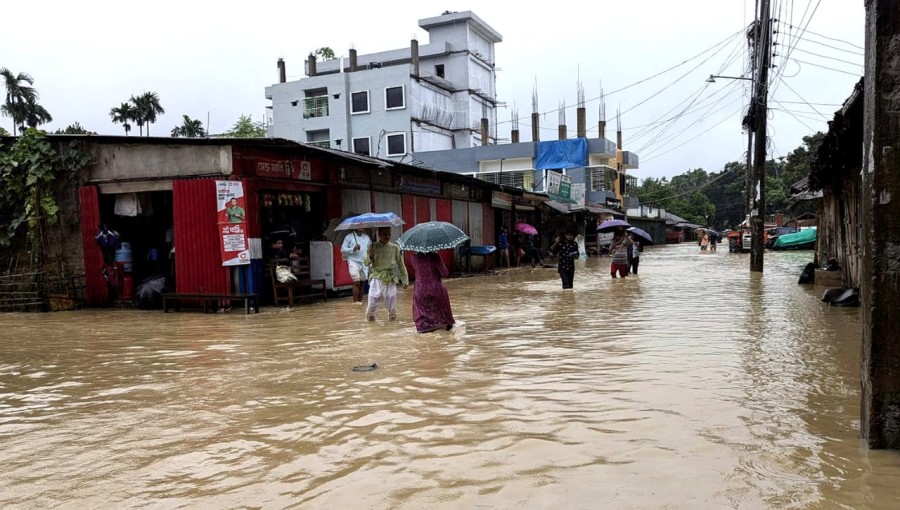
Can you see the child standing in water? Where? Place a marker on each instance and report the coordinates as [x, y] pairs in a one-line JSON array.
[[566, 253]]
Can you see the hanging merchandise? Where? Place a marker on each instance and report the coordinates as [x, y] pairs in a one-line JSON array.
[[307, 203], [107, 239]]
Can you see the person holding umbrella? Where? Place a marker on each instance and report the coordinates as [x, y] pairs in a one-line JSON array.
[[354, 250], [566, 252], [618, 248], [431, 301], [386, 270], [634, 253]]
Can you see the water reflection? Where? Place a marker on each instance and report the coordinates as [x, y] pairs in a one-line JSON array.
[[692, 385]]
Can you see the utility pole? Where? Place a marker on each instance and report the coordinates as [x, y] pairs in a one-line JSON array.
[[760, 101]]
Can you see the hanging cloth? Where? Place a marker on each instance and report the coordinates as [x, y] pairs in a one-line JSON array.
[[127, 204]]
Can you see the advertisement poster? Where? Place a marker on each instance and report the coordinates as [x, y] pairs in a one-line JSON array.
[[232, 223], [559, 187]]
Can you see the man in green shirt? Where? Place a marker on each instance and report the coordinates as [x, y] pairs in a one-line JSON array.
[[235, 212], [386, 270]]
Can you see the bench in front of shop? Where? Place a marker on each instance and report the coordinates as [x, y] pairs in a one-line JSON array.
[[301, 272], [209, 301]]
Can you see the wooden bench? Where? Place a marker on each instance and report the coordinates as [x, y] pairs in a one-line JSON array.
[[208, 300], [300, 269]]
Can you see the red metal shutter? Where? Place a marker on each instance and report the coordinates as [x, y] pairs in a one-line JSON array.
[[95, 293], [409, 216], [444, 212], [198, 263]]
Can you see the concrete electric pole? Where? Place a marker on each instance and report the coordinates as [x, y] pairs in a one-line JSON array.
[[760, 102]]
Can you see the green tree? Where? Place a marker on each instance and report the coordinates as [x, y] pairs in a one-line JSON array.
[[148, 107], [123, 114], [727, 191], [325, 52], [797, 163], [74, 129], [246, 128], [656, 192], [4, 132], [29, 170], [33, 114], [190, 128], [19, 92]]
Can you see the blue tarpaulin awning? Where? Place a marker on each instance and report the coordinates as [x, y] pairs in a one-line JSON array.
[[560, 154]]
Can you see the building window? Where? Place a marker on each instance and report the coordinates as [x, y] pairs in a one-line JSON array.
[[523, 179], [315, 107], [393, 98], [439, 70], [599, 178], [396, 144], [359, 102], [361, 146], [319, 138], [630, 183]]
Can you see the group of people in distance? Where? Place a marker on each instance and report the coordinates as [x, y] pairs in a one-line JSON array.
[[625, 250], [706, 239], [381, 264]]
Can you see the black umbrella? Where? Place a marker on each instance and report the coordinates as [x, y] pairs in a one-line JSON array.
[[336, 236], [149, 294], [642, 234]]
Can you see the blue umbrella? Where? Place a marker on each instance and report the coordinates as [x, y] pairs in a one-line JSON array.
[[612, 225], [371, 220], [645, 237]]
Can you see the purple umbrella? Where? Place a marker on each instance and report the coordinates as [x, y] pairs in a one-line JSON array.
[[612, 225]]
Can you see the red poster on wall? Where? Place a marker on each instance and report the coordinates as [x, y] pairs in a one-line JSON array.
[[232, 224]]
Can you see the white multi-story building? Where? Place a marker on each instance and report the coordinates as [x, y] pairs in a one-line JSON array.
[[438, 96]]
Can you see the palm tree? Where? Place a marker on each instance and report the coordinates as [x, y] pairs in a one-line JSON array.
[[123, 114], [190, 128], [34, 114], [148, 108], [19, 91]]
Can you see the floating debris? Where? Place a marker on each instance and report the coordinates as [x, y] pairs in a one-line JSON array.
[[365, 368]]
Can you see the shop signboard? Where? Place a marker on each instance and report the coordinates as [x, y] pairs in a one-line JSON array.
[[559, 187], [232, 223], [578, 192], [284, 169]]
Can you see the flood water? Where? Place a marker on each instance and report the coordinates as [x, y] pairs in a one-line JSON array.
[[693, 385]]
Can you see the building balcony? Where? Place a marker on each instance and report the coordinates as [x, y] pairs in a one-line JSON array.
[[629, 160]]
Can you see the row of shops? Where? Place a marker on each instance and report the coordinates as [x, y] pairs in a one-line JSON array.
[[170, 201]]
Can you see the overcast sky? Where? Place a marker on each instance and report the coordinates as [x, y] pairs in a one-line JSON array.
[[213, 60]]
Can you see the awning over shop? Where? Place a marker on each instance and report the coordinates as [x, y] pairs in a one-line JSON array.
[[558, 207], [599, 209], [588, 207]]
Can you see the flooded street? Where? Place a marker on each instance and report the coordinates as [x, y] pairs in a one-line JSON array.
[[693, 385]]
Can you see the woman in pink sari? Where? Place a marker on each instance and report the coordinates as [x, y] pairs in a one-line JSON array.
[[431, 303]]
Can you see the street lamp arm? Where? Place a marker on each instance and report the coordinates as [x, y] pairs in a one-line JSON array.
[[712, 78]]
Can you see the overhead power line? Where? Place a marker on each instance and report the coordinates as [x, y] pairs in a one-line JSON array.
[[664, 71]]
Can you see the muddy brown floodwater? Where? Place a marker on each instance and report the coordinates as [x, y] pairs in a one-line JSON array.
[[693, 385]]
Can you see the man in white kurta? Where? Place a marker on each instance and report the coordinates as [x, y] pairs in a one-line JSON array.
[[354, 250]]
